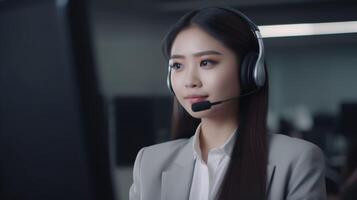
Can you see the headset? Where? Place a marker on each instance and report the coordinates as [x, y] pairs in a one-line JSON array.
[[252, 70]]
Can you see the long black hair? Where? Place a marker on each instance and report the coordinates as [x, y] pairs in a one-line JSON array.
[[245, 177]]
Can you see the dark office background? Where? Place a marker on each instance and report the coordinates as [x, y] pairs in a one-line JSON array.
[[313, 92]]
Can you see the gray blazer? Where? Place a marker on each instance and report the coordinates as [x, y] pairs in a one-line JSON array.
[[295, 170]]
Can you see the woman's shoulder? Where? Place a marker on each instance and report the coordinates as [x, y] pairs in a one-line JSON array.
[[298, 168], [284, 141], [283, 148], [163, 152], [156, 158], [166, 147]]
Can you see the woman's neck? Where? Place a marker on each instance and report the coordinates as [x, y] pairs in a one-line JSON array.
[[215, 132]]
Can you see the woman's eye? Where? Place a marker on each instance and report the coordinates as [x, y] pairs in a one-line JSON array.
[[207, 62], [175, 66]]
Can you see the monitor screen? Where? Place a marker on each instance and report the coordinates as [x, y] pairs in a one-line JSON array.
[[53, 136]]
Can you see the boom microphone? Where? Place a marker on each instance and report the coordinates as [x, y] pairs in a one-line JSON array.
[[204, 105]]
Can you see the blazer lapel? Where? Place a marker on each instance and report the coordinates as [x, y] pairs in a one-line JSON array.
[[270, 175], [176, 180], [271, 166]]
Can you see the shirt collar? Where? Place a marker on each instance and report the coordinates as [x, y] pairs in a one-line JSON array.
[[225, 148]]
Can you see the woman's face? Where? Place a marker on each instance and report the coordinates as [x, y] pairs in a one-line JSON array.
[[202, 68]]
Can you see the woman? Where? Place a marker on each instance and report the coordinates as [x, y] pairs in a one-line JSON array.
[[216, 54]]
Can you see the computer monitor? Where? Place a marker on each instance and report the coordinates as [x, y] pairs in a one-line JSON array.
[[348, 113], [53, 135]]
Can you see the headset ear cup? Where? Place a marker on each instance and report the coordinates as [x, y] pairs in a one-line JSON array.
[[168, 81], [247, 72]]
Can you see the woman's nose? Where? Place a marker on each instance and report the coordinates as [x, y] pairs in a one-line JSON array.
[[192, 79]]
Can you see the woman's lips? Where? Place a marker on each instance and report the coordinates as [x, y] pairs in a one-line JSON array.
[[195, 99]]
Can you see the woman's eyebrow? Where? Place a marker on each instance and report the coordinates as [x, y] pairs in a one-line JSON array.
[[209, 52], [201, 53]]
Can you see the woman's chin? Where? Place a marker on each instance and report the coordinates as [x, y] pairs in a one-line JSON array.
[[198, 115]]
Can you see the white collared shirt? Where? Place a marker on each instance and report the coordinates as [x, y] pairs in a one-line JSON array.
[[207, 178]]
